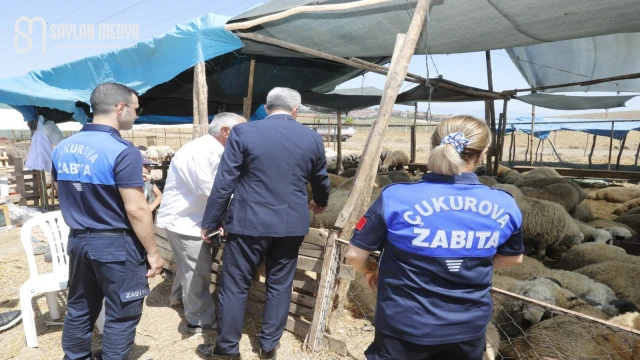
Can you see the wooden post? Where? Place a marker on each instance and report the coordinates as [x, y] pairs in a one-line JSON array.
[[554, 149], [413, 133], [538, 148], [593, 146], [200, 93], [330, 265], [492, 154], [18, 164], [624, 140], [487, 120], [542, 150], [248, 101], [610, 146], [360, 195], [502, 125], [637, 154], [339, 139], [533, 121]]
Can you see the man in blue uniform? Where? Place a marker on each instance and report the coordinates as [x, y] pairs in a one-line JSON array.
[[440, 240], [111, 239], [266, 166]]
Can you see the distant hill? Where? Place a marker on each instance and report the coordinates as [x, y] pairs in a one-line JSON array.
[[634, 114]]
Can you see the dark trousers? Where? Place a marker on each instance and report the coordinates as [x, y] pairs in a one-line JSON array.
[[389, 347], [242, 256], [110, 267]]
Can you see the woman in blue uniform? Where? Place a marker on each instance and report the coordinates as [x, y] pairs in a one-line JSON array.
[[440, 239]]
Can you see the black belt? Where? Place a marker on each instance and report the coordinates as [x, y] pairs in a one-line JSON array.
[[101, 232]]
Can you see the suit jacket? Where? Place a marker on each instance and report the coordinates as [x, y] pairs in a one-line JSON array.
[[266, 166]]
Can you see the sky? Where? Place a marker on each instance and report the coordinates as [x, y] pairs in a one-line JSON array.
[[152, 17]]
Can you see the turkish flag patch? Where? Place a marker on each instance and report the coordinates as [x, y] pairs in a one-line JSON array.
[[361, 223]]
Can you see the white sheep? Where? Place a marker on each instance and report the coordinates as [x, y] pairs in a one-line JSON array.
[[622, 278], [152, 154], [592, 253], [630, 320], [616, 194], [618, 230], [592, 234], [541, 172]]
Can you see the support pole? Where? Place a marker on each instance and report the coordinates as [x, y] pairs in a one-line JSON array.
[[533, 120], [542, 151], [635, 163], [610, 146], [248, 101], [502, 124], [491, 154], [538, 148], [360, 195], [554, 149], [593, 146], [511, 145], [200, 93], [624, 140], [413, 133], [526, 151], [339, 139]]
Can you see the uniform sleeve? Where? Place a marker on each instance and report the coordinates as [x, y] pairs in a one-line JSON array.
[[371, 230], [128, 168], [514, 246]]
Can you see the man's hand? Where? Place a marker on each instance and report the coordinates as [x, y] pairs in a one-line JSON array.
[[317, 210], [156, 263], [204, 232]]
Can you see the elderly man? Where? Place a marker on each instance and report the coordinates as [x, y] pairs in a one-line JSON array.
[[187, 188], [266, 166], [101, 199]]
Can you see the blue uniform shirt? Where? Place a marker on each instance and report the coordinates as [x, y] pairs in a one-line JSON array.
[[89, 167], [438, 238]]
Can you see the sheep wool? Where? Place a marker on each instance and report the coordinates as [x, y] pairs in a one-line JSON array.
[[630, 320], [542, 172], [622, 278], [593, 253], [583, 213], [616, 194], [632, 221]]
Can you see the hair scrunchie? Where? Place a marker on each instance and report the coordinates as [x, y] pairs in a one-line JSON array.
[[456, 139]]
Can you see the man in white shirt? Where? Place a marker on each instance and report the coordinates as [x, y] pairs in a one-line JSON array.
[[189, 182]]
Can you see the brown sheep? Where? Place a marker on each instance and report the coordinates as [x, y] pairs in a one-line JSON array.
[[583, 213], [628, 205], [488, 180], [529, 268], [564, 337], [618, 231], [510, 177], [399, 177], [337, 199], [395, 160], [616, 194], [334, 180], [541, 172], [349, 173], [592, 253], [541, 195], [622, 278], [544, 182], [632, 221]]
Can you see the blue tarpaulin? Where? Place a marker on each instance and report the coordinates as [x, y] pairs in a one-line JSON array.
[[141, 66], [542, 129]]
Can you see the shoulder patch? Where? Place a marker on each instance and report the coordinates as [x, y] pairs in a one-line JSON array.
[[361, 223]]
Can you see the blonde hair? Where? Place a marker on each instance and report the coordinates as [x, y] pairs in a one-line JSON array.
[[444, 159]]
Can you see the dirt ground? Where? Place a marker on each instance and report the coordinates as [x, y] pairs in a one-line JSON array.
[[160, 333]]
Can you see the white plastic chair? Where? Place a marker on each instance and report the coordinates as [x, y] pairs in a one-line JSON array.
[[57, 234]]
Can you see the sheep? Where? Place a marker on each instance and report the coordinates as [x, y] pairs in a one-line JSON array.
[[565, 337], [583, 213], [592, 234], [593, 253], [338, 198], [482, 171], [398, 177], [511, 189], [394, 161], [332, 163], [381, 181], [510, 177], [547, 226], [630, 320], [165, 153], [616, 194], [152, 154], [618, 231], [349, 173], [488, 180], [542, 172], [622, 278], [626, 206], [334, 182], [541, 195], [529, 268], [544, 182], [634, 211], [503, 169], [632, 221], [350, 161]]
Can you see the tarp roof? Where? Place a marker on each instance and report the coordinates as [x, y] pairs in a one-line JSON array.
[[542, 129], [581, 60], [455, 26], [562, 102]]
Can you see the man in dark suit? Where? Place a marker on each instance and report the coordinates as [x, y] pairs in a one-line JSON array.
[[266, 166]]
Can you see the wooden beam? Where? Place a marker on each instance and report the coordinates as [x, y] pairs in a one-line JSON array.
[[589, 173], [413, 133], [20, 189], [579, 83], [593, 146], [339, 139], [610, 146], [325, 294], [300, 10], [200, 93], [248, 101], [624, 140], [554, 149]]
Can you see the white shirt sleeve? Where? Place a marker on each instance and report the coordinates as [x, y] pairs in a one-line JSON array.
[[200, 172]]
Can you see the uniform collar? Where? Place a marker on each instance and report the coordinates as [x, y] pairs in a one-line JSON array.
[[464, 178], [99, 127], [280, 116]]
